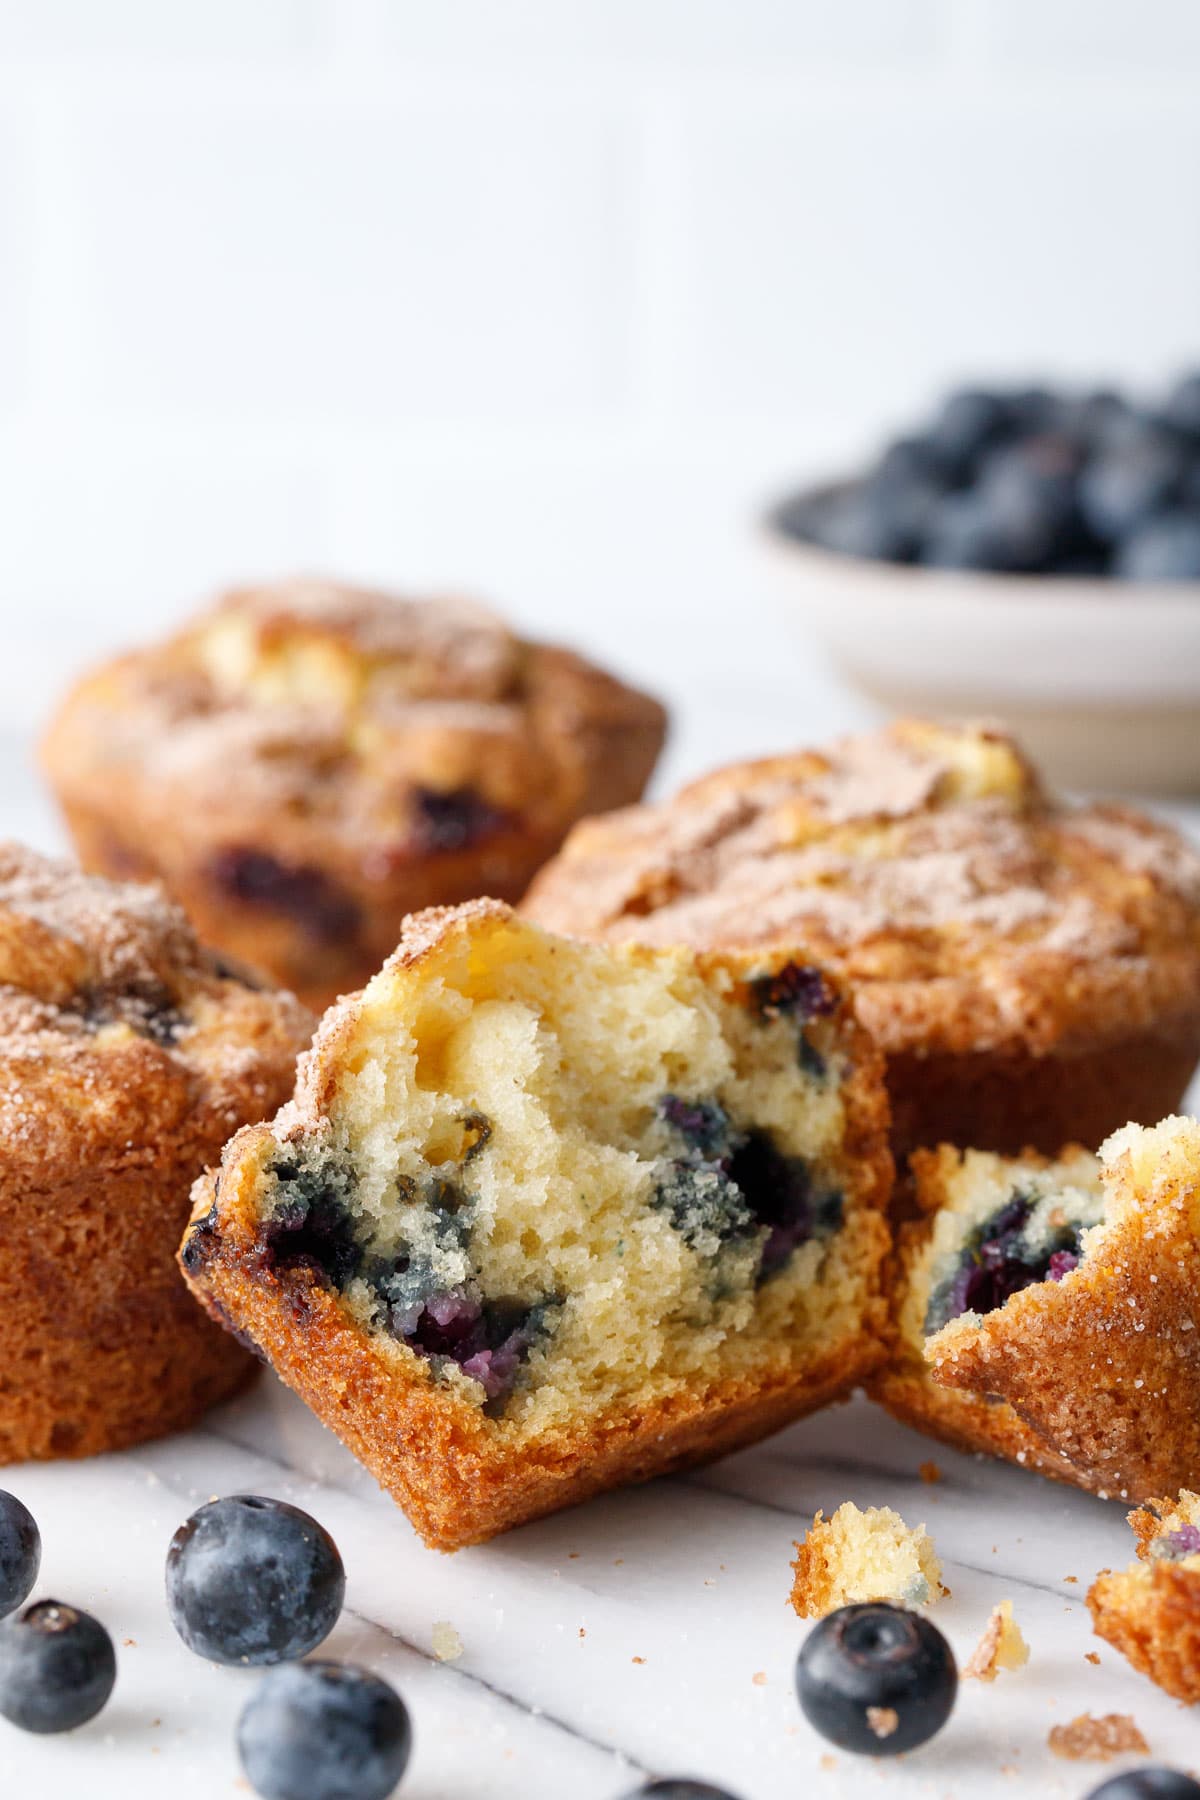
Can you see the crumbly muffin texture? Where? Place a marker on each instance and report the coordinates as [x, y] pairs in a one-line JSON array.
[[306, 763], [1150, 1612], [127, 1056], [1101, 1359], [988, 1227], [571, 1214], [1030, 969], [864, 1555]]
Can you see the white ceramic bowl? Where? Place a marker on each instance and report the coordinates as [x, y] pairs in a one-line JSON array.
[[1099, 679]]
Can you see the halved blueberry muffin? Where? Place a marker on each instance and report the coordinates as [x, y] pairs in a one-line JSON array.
[[1030, 969], [1100, 1358], [989, 1227], [127, 1056], [307, 763], [545, 1217], [1150, 1612]]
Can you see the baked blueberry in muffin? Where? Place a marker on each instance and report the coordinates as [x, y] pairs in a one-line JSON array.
[[1098, 1356], [988, 1227], [545, 1217], [306, 763], [1150, 1612], [1031, 970], [126, 1059]]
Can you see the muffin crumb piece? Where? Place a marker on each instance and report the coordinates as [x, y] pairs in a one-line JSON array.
[[447, 1645], [1090, 1656], [856, 1556], [930, 1472], [882, 1720], [1087, 1739], [1001, 1647]]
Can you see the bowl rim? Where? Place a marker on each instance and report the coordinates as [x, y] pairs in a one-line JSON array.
[[983, 584]]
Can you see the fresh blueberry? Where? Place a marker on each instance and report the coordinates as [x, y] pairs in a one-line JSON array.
[[1122, 488], [674, 1789], [963, 535], [454, 820], [324, 1731], [969, 421], [253, 1581], [1148, 1784], [1028, 495], [57, 1667], [868, 521], [1164, 549], [20, 1552], [876, 1679], [1034, 410], [1182, 409], [303, 894]]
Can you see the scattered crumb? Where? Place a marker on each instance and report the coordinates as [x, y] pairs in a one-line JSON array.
[[709, 1582], [1009, 1769], [639, 1659], [1073, 1579], [1087, 1739], [573, 1555], [1000, 1647], [1090, 1656], [447, 1645], [930, 1472], [856, 1556], [617, 1561], [582, 1631], [828, 1762], [882, 1720], [759, 1678], [129, 1643]]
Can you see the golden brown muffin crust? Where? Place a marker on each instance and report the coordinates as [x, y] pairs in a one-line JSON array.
[[125, 1061], [1031, 970], [306, 763]]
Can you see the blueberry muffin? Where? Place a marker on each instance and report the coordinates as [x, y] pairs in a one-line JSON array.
[[987, 1227], [126, 1059], [545, 1217], [1030, 970], [306, 764], [1150, 1612], [1100, 1358], [860, 1556]]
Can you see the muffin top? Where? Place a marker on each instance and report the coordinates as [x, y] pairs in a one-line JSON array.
[[928, 866], [399, 726], [117, 1029]]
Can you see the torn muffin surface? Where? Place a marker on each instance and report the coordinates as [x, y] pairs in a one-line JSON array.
[[989, 1227], [1150, 1611], [544, 1190], [861, 1556], [1103, 1363]]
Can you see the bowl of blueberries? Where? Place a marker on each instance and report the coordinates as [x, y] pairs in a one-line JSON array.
[[1026, 554]]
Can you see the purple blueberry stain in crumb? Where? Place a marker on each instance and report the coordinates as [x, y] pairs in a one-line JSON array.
[[797, 990], [488, 1340], [734, 1183], [310, 1226], [1174, 1545], [997, 1261], [304, 895], [453, 820], [703, 1123]]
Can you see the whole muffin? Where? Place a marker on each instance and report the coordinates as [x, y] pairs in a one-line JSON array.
[[305, 764], [126, 1059], [1031, 970]]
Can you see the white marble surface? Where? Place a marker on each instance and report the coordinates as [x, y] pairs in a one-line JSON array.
[[647, 1632]]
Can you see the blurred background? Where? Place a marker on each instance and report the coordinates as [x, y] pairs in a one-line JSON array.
[[547, 301]]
